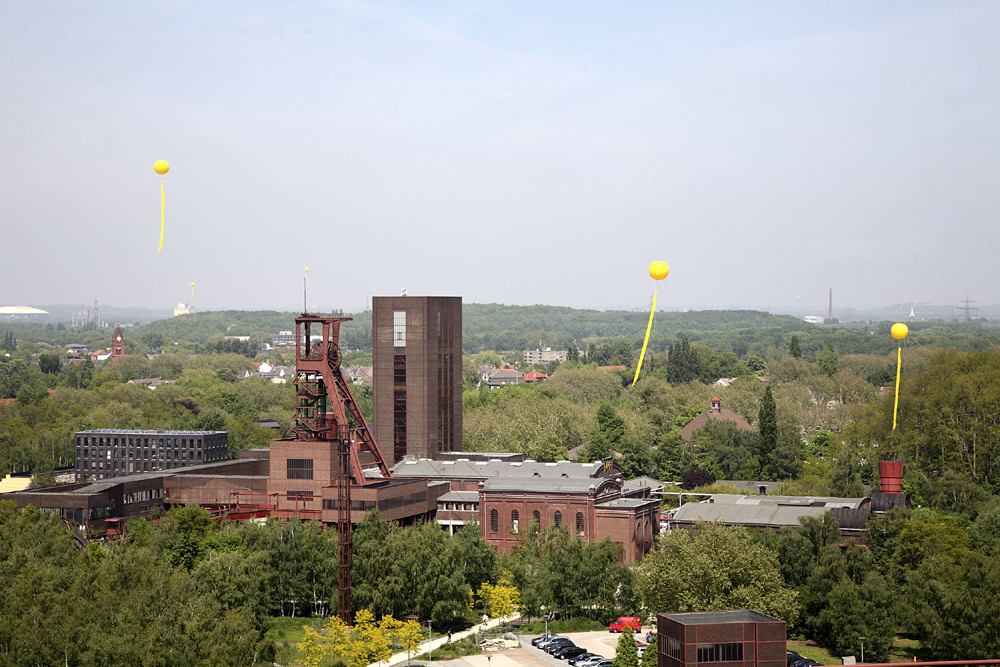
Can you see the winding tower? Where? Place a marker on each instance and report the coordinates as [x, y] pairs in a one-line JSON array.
[[327, 416]]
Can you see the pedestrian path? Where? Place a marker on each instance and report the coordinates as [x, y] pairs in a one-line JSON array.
[[438, 642]]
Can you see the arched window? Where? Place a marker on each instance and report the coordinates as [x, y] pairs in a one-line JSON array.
[[494, 521], [558, 518], [536, 517], [514, 520], [579, 523]]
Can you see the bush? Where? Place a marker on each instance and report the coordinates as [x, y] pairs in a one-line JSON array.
[[696, 477]]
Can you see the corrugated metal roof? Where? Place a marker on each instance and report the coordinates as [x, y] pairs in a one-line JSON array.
[[791, 501], [472, 469], [758, 515], [543, 484]]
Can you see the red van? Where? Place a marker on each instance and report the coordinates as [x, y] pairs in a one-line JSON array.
[[630, 622]]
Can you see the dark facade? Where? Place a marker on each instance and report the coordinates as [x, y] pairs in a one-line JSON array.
[[88, 505], [110, 453], [741, 638], [417, 369]]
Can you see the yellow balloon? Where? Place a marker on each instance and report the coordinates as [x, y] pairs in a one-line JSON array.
[[161, 167], [658, 270], [899, 331], [192, 284]]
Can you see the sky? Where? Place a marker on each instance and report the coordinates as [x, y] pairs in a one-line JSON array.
[[506, 152]]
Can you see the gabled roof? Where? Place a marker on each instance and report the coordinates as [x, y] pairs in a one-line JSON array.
[[724, 414]]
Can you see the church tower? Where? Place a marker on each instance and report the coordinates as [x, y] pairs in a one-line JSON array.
[[117, 343]]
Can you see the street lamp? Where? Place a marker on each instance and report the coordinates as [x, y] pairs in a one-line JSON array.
[[862, 648]]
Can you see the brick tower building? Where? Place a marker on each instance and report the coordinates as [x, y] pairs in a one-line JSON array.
[[417, 369], [117, 343]]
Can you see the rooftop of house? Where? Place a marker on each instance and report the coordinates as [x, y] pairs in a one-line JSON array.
[[715, 412]]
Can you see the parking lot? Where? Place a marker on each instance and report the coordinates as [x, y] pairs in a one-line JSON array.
[[601, 642]]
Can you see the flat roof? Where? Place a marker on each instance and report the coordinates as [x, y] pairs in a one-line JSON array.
[[460, 497], [544, 484], [757, 515], [790, 501], [129, 431], [729, 616], [460, 469]]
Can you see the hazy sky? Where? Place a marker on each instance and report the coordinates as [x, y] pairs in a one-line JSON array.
[[514, 152]]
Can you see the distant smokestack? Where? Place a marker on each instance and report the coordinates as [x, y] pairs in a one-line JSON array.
[[830, 317]]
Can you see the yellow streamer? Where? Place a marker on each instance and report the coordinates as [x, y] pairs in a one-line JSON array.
[[163, 211], [899, 360], [649, 326]]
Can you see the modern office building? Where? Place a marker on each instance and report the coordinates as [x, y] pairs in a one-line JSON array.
[[417, 369], [110, 453]]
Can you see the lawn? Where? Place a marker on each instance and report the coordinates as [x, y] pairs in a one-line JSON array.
[[809, 649], [467, 646]]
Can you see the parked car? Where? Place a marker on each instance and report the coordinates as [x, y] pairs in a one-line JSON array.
[[553, 638], [790, 657], [578, 660], [543, 638], [631, 622], [552, 647], [569, 652], [602, 663], [804, 662], [590, 662]]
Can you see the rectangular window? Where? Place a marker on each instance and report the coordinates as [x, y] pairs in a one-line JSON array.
[[399, 328], [300, 468], [399, 424], [732, 652]]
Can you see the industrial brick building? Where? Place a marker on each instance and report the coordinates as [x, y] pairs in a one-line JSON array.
[[110, 453], [504, 496], [740, 638], [417, 369]]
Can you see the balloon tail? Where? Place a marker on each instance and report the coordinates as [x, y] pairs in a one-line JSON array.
[[671, 284], [163, 211], [649, 326], [895, 407]]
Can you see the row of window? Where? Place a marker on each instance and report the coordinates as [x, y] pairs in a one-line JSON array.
[[95, 441], [728, 652], [536, 516], [383, 505], [300, 469], [154, 456], [461, 507]]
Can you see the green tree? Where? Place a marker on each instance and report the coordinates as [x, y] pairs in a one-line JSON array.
[[794, 348], [715, 569], [827, 360], [49, 363], [649, 655], [626, 653], [767, 427], [756, 364], [607, 435]]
